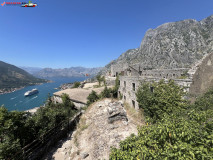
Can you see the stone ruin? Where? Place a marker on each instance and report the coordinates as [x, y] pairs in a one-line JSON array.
[[116, 112]]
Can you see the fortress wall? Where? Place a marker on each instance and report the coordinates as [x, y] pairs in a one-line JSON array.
[[118, 68], [164, 73], [128, 83], [203, 77]]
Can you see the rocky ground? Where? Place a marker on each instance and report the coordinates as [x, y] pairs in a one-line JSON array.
[[103, 125]]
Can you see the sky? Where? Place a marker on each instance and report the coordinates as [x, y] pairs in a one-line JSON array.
[[88, 33]]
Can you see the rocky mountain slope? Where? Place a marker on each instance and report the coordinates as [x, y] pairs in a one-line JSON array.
[[67, 72], [12, 77], [172, 45]]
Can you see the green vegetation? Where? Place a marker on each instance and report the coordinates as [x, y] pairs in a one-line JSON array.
[[106, 93], [158, 99], [175, 129], [76, 85], [14, 77], [93, 97], [100, 79], [20, 128]]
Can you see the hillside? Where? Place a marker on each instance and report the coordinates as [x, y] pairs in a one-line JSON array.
[[171, 45], [67, 72], [12, 77], [31, 70], [103, 125]]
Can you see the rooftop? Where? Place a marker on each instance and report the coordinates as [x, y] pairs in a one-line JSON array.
[[79, 94]]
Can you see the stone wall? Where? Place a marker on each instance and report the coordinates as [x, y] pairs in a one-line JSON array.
[[165, 73], [203, 77], [129, 85], [118, 68], [138, 70]]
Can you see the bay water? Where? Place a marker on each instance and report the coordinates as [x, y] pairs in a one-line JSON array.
[[17, 101]]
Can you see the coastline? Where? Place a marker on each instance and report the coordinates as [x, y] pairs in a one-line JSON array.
[[4, 91], [33, 110], [11, 90]]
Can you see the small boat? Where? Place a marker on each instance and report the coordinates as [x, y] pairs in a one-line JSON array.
[[29, 93]]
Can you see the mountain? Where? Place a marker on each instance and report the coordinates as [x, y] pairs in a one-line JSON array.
[[67, 72], [12, 77], [171, 45], [31, 70]]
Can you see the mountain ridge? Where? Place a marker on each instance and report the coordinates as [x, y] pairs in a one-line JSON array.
[[171, 45], [12, 78], [67, 72]]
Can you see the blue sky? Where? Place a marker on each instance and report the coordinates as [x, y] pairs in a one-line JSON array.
[[87, 33]]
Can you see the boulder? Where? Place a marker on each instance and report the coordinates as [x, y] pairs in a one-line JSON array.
[[116, 112]]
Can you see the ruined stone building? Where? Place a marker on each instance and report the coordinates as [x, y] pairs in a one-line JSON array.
[[196, 79]]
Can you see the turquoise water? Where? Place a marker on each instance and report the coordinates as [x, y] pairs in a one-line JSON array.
[[17, 101]]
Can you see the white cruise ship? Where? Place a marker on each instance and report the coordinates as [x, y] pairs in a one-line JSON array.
[[29, 93]]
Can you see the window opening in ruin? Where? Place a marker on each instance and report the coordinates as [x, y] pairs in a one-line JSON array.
[[133, 103], [116, 74], [124, 97], [173, 75], [125, 84], [140, 73], [119, 82], [133, 86], [152, 89]]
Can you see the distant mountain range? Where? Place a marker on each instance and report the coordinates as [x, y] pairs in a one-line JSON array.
[[171, 45], [66, 72], [31, 70], [12, 77]]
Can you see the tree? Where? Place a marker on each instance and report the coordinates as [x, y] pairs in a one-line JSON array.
[[93, 97], [98, 77], [103, 80], [116, 87], [185, 133], [160, 98], [106, 93]]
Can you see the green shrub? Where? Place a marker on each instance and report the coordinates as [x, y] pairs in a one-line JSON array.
[[157, 99], [175, 137], [93, 97], [106, 93], [20, 128], [185, 133], [76, 85]]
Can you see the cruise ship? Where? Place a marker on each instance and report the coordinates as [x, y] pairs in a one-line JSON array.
[[29, 93]]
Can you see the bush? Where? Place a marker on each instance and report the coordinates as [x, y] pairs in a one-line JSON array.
[[185, 133], [20, 128], [157, 99], [93, 97], [106, 93], [76, 85], [173, 138]]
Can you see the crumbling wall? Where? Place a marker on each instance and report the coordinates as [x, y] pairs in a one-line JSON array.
[[203, 77], [130, 84]]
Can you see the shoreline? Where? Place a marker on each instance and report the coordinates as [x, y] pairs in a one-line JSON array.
[[11, 90], [33, 110]]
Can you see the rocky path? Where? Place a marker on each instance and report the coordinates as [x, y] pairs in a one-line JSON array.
[[103, 125]]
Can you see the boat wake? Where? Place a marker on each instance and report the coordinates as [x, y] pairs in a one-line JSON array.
[[13, 98], [31, 99], [34, 97]]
